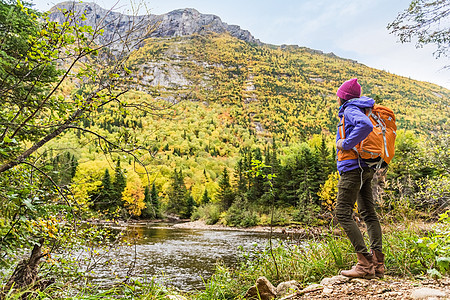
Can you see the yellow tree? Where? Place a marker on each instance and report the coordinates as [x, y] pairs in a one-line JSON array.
[[133, 195], [328, 191]]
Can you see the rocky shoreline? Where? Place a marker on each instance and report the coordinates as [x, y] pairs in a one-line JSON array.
[[341, 287], [297, 231], [344, 288], [200, 224]]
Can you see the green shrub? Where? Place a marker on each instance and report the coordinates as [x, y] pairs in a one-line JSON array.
[[241, 215], [209, 212], [410, 252]]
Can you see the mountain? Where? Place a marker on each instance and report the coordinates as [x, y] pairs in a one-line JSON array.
[[181, 22], [232, 94], [287, 91]]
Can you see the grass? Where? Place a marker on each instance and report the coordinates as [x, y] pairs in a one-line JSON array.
[[407, 255]]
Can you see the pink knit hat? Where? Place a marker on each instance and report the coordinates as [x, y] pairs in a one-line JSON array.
[[349, 89]]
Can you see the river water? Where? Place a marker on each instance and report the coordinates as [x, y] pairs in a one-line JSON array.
[[184, 258]]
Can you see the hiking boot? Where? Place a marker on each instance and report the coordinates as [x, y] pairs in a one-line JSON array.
[[378, 263], [363, 269]]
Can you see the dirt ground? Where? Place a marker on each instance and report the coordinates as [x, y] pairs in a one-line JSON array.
[[387, 288]]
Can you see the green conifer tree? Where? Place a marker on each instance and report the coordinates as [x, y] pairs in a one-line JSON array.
[[118, 186], [155, 201], [240, 178], [150, 211], [225, 193], [257, 182], [101, 199], [205, 197], [190, 204], [177, 195], [324, 161], [73, 166]]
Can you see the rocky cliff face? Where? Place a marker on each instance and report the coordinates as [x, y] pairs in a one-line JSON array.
[[181, 22]]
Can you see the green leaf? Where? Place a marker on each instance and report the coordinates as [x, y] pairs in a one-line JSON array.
[[434, 273], [443, 263], [28, 204]]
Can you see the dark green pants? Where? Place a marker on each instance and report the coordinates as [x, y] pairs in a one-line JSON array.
[[350, 190]]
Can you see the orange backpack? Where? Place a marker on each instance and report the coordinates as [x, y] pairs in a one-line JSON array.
[[378, 148]]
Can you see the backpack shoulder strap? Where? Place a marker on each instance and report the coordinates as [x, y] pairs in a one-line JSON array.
[[341, 128]]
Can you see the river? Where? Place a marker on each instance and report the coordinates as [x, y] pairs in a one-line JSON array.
[[183, 258]]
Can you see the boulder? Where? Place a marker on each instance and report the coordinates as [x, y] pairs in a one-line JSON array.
[[312, 288], [339, 279], [262, 290], [287, 287], [425, 293]]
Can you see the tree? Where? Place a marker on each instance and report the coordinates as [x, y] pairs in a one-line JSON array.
[[25, 76], [240, 178], [177, 194], [151, 203], [225, 193], [205, 197], [257, 185], [155, 201], [427, 21], [299, 182], [133, 196], [63, 167], [328, 191], [118, 187], [101, 199], [39, 60], [148, 211], [190, 204], [326, 160]]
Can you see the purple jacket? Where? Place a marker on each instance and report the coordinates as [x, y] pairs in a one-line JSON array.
[[357, 128]]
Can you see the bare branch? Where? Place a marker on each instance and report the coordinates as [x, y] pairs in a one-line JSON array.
[[128, 151], [53, 183]]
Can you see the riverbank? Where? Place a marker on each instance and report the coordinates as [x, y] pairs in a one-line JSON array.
[[420, 226], [303, 231], [200, 224]]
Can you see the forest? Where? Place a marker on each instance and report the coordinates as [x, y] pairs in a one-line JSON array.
[[202, 127]]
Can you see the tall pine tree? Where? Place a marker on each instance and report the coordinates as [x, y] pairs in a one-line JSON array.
[[257, 182], [119, 185], [205, 197], [155, 201], [148, 212], [102, 198], [177, 195], [225, 193]]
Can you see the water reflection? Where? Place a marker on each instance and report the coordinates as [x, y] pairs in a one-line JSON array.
[[180, 257]]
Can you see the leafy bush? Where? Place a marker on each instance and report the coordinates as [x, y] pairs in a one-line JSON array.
[[410, 252], [434, 249], [209, 212], [241, 216], [406, 198], [307, 213], [281, 216]]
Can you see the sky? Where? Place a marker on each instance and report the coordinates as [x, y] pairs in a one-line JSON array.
[[353, 29]]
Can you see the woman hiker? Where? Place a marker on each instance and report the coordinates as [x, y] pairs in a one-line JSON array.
[[355, 183]]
